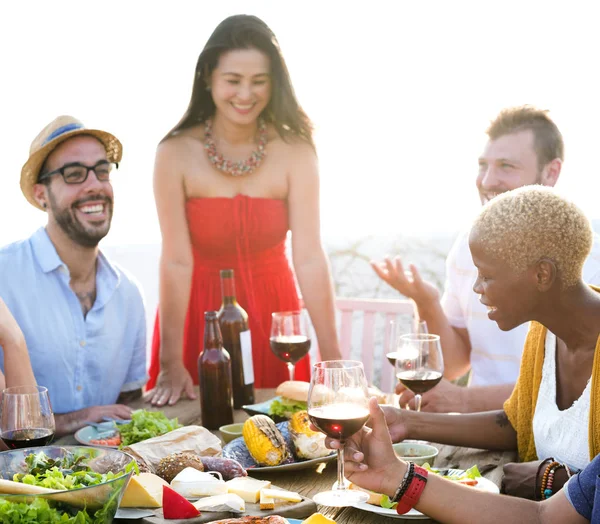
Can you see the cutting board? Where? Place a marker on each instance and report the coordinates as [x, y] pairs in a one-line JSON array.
[[301, 509]]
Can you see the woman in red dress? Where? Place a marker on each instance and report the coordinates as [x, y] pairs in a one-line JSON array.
[[231, 179]]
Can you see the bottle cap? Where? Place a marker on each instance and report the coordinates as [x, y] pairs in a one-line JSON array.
[[210, 315], [226, 273]]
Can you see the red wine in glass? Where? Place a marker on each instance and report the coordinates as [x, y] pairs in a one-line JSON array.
[[419, 363], [290, 337], [27, 419], [27, 438], [338, 406], [290, 349], [339, 421], [419, 382]]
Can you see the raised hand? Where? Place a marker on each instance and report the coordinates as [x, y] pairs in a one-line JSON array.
[[411, 285]]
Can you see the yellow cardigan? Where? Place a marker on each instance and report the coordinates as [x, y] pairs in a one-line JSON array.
[[520, 407]]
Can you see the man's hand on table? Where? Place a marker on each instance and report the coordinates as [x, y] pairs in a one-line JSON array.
[[68, 423], [172, 383]]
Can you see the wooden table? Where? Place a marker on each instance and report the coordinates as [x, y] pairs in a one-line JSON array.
[[308, 482]]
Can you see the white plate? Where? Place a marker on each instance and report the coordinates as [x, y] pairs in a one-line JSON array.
[[482, 483]]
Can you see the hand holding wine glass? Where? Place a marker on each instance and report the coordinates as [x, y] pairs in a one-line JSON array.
[[338, 407], [290, 337], [419, 364], [27, 419]]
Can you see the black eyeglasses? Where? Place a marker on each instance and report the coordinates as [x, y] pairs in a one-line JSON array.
[[76, 173]]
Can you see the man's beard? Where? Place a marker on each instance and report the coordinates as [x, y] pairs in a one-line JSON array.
[[73, 228]]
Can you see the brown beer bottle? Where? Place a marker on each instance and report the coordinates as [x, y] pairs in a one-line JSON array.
[[233, 321], [214, 376]]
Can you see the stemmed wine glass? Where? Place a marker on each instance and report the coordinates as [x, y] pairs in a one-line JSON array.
[[419, 363], [396, 330], [290, 337], [338, 406], [27, 419]]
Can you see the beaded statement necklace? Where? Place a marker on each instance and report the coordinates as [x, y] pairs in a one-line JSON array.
[[243, 167]]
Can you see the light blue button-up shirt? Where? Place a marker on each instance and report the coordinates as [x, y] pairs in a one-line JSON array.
[[83, 361]]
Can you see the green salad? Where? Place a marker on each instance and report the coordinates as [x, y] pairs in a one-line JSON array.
[[144, 425], [64, 473], [284, 407]]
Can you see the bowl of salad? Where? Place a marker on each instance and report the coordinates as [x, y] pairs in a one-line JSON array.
[[71, 484]]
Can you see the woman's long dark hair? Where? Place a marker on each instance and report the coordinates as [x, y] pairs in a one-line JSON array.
[[244, 32]]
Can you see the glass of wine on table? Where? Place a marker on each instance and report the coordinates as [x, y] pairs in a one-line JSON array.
[[27, 419], [419, 363], [396, 330], [338, 406], [290, 337]]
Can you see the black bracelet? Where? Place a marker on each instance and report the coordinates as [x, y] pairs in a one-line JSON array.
[[410, 471]]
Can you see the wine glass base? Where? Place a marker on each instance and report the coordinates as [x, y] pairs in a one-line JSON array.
[[340, 498]]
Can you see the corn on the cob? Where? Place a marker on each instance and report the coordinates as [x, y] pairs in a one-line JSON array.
[[309, 444], [264, 441]]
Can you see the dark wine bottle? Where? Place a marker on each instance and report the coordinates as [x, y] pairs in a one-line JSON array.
[[233, 321], [214, 377]]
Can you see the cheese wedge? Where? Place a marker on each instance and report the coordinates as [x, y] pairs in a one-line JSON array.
[[318, 518], [227, 502], [247, 488], [192, 484], [143, 491], [280, 494], [265, 501]]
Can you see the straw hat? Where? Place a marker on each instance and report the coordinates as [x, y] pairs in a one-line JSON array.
[[56, 132]]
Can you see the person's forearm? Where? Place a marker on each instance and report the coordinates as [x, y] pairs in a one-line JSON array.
[[486, 398], [457, 352], [68, 423], [175, 283], [451, 503], [17, 366], [490, 430], [316, 287]]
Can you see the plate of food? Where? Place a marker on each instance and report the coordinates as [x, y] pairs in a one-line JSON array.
[[291, 397], [288, 445], [381, 505], [115, 434]]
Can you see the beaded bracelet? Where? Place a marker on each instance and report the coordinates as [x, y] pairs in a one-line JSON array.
[[536, 489], [546, 491]]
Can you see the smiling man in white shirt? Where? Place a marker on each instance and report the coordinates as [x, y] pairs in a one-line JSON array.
[[524, 147]]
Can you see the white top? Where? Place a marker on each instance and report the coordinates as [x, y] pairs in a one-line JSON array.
[[560, 434], [495, 354]]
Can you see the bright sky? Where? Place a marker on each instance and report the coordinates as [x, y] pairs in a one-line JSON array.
[[400, 93]]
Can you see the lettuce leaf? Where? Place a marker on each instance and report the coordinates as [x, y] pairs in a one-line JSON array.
[[387, 503], [286, 407], [144, 425]]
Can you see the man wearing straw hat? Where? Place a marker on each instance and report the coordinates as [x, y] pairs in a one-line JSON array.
[[82, 316]]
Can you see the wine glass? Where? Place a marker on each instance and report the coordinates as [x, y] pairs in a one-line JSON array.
[[419, 363], [27, 419], [396, 329], [290, 337], [338, 406]]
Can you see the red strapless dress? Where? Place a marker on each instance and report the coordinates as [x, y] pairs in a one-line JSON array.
[[247, 235]]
